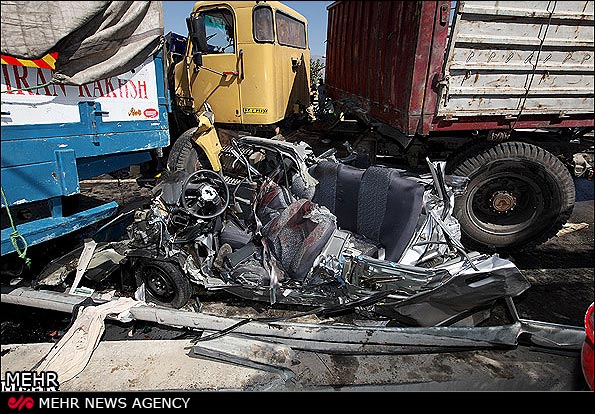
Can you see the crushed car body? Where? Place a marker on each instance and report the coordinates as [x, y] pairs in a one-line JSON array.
[[280, 225]]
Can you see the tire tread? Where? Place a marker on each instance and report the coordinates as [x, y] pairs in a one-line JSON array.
[[471, 161]]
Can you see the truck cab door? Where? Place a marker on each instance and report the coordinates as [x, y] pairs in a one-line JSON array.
[[216, 80]]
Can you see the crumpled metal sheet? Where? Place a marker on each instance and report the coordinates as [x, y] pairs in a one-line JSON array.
[[428, 242], [467, 290], [104, 262], [335, 338], [94, 39]]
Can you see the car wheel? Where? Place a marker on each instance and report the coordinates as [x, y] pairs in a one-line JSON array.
[[164, 283]]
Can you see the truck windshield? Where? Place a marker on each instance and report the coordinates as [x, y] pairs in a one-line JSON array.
[[220, 31]]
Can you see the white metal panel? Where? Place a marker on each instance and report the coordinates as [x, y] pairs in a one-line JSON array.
[[131, 96], [505, 57]]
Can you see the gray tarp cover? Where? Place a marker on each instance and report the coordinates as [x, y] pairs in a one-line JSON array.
[[94, 39]]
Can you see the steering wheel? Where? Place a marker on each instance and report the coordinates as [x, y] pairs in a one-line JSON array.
[[205, 194]]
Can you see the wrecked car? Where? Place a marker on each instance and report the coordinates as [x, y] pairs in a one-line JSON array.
[[280, 225]]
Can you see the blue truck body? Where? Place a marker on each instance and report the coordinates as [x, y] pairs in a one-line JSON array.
[[45, 162]]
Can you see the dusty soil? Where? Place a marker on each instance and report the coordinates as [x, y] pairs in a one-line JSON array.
[[561, 270]]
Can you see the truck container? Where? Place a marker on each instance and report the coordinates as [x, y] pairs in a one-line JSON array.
[[493, 65], [472, 77]]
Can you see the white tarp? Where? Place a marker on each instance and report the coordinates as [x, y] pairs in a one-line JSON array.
[[95, 39], [72, 353]]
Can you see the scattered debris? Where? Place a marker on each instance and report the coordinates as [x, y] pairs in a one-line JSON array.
[[15, 281], [571, 228], [251, 353]]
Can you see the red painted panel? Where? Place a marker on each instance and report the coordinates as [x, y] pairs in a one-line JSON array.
[[435, 65], [422, 58], [390, 57], [372, 55]]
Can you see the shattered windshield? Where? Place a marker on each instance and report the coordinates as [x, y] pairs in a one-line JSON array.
[[219, 31]]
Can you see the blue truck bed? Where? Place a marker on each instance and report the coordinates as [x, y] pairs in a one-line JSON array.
[[53, 137]]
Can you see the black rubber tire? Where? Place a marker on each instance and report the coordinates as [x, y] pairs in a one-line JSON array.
[[181, 289], [542, 193], [186, 155]]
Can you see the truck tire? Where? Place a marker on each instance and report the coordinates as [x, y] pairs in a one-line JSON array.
[[164, 283], [519, 195], [186, 155]]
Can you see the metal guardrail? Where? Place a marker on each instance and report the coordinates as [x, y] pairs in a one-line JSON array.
[[341, 339]]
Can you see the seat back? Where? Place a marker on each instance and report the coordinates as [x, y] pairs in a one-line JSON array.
[[376, 203], [296, 239], [338, 190]]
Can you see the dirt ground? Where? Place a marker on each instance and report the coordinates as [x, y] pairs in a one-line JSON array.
[[561, 270]]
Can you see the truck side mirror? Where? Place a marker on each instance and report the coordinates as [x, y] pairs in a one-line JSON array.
[[198, 37]]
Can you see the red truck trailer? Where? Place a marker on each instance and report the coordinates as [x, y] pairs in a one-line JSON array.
[[503, 89]]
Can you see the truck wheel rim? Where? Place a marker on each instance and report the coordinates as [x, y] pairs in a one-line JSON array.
[[505, 203]]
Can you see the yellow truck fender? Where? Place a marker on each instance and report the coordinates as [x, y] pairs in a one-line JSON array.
[[206, 138]]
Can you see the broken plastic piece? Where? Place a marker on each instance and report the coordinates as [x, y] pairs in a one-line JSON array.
[[84, 260]]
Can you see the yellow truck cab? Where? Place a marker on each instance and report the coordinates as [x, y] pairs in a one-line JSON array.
[[249, 60]]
